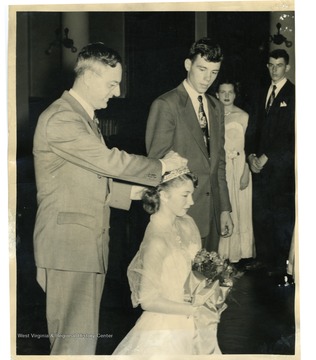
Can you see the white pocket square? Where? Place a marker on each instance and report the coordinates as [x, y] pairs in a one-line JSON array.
[[283, 104]]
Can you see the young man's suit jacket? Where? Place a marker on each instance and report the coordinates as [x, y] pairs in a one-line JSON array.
[[74, 171], [273, 134], [173, 125]]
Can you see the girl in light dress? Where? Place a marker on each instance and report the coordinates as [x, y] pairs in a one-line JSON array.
[[158, 272], [240, 245]]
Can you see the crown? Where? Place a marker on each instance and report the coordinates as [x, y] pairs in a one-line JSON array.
[[175, 173]]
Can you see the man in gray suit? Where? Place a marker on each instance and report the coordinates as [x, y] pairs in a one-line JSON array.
[[178, 122], [75, 174]]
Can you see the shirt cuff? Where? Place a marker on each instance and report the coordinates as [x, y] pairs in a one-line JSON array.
[[163, 165], [136, 192]]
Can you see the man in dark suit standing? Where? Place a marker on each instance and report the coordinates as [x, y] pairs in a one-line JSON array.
[[74, 172], [191, 122], [271, 155]]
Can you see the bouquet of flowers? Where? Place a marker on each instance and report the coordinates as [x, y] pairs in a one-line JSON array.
[[214, 267], [207, 288], [209, 271]]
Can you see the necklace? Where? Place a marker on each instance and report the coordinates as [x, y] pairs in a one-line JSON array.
[[227, 113], [176, 232]]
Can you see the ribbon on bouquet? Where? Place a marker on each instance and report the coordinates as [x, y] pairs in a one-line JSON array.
[[209, 301], [200, 291], [194, 284]]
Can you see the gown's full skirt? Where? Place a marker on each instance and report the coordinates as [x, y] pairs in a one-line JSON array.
[[163, 334], [156, 333]]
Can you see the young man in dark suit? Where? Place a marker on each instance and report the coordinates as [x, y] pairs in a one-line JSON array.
[[191, 122], [271, 156]]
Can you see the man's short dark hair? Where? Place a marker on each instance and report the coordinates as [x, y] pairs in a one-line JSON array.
[[280, 53], [207, 48]]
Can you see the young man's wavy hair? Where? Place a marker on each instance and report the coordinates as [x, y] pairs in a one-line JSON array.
[[208, 49]]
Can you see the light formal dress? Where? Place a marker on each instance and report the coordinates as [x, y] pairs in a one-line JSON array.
[[160, 268], [241, 243]]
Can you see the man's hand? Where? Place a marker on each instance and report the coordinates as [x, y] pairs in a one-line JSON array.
[[227, 225], [263, 159], [173, 160], [254, 163]]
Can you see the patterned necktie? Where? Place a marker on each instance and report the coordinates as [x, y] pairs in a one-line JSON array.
[[94, 124], [271, 98], [203, 124]]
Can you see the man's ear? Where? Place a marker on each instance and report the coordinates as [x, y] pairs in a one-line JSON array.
[[287, 68], [87, 76], [187, 64]]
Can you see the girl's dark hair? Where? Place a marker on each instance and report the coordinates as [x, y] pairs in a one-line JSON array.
[[236, 85], [151, 196]]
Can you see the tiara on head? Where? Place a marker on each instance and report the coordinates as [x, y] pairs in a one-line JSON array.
[[175, 173]]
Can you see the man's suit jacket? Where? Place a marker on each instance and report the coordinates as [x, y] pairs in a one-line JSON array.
[[273, 134], [173, 125], [74, 171]]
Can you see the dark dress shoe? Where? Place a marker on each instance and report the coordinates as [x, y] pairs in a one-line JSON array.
[[285, 280], [242, 263], [255, 265]]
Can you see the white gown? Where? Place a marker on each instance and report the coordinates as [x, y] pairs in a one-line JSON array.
[[241, 244], [163, 271]]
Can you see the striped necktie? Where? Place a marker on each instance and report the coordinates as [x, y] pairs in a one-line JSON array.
[[271, 99]]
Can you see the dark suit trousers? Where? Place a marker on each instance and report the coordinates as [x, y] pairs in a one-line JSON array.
[[211, 241], [72, 310], [273, 223]]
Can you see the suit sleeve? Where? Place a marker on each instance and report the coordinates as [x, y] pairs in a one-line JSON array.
[[251, 135], [69, 139], [221, 173], [251, 138], [160, 129]]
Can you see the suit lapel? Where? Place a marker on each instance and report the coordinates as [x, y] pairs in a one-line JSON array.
[[188, 115], [282, 93], [213, 115], [280, 96], [80, 110]]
